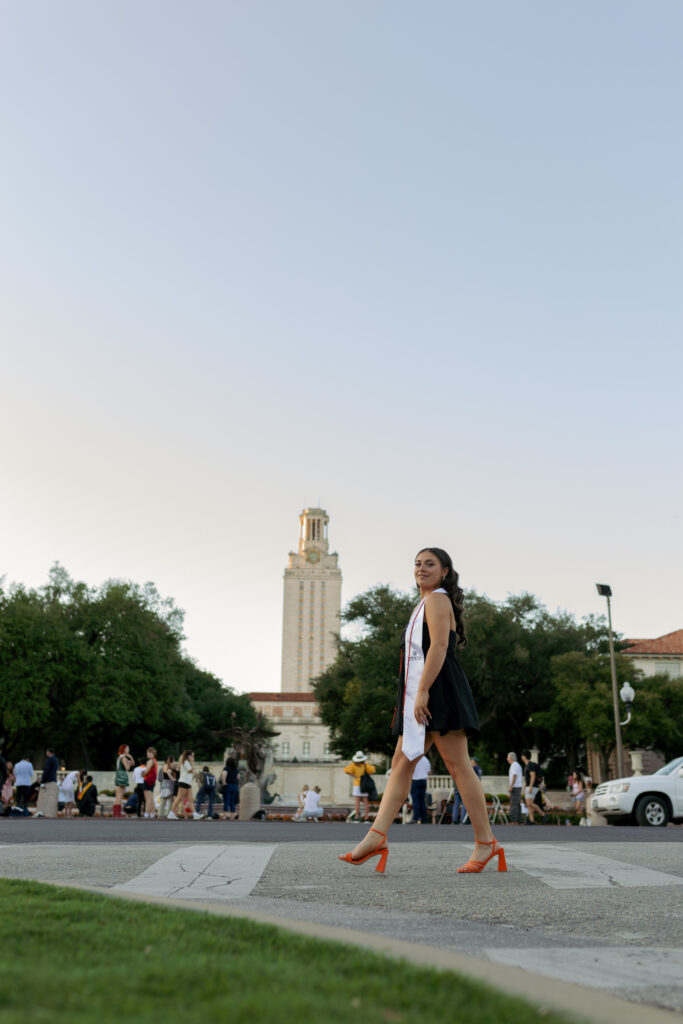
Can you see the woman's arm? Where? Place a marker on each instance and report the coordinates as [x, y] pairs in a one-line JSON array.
[[438, 615]]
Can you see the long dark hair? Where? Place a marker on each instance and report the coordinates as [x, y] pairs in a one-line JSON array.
[[454, 591]]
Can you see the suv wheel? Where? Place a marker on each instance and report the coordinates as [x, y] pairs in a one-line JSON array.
[[652, 810]]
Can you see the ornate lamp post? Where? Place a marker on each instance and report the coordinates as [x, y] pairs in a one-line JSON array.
[[628, 695], [606, 591]]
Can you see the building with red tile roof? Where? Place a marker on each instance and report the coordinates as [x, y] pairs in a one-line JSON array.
[[661, 656]]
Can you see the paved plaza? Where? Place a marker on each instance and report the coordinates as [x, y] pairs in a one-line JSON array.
[[600, 909]]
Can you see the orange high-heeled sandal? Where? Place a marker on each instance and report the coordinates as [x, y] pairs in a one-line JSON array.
[[474, 866], [382, 852]]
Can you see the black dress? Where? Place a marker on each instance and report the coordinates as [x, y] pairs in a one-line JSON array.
[[451, 703]]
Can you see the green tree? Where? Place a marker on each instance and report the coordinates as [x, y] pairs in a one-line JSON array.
[[357, 693], [84, 669]]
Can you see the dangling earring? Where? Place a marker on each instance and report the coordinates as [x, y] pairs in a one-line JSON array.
[[443, 579]]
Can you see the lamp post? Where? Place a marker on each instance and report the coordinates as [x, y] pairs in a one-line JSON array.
[[628, 695], [606, 591]]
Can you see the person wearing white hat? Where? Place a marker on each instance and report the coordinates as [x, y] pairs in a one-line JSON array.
[[434, 706], [359, 767]]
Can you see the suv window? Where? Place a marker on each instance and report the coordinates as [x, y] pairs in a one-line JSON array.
[[668, 768]]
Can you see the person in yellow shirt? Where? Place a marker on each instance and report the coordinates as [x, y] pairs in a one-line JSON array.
[[358, 767]]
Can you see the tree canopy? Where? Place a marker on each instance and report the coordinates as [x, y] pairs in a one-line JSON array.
[[83, 669], [539, 678]]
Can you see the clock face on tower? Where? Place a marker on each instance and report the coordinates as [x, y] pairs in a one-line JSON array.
[[313, 557]]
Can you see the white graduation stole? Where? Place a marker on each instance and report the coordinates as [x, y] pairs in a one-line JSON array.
[[413, 732]]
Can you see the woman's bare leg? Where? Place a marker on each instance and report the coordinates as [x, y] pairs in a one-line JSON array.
[[453, 749], [395, 792], [357, 799]]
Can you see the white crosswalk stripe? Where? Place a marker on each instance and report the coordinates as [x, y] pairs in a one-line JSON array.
[[204, 872], [564, 867]]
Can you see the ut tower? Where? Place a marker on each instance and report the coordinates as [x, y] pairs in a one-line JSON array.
[[312, 603]]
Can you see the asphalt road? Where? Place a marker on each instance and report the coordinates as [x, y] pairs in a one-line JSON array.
[[109, 830]]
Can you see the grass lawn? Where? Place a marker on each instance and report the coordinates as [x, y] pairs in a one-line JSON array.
[[81, 958]]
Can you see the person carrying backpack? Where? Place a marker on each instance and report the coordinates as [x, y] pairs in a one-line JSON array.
[[207, 790]]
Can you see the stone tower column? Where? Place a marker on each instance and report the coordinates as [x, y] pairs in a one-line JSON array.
[[312, 604]]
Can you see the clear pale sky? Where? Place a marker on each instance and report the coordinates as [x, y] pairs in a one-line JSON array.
[[420, 263]]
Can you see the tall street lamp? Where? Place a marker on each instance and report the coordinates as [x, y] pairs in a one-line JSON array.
[[606, 591]]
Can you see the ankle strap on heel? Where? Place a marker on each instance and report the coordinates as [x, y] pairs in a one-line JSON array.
[[378, 832]]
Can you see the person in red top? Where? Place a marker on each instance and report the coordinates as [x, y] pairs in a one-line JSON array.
[[149, 773]]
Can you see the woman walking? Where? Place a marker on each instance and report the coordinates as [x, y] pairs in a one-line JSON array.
[[434, 705], [124, 764]]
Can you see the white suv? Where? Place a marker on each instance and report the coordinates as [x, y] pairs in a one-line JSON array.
[[644, 799]]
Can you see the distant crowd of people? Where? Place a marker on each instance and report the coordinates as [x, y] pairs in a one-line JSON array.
[[23, 794], [145, 789], [168, 790]]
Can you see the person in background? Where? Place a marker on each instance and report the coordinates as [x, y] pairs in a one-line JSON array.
[[207, 790], [184, 797], [67, 792], [458, 813], [515, 781], [168, 779], [532, 777], [301, 799], [578, 795], [358, 767], [7, 789], [418, 790], [139, 788], [149, 774], [48, 795], [86, 797], [124, 764], [23, 774], [231, 788], [312, 808]]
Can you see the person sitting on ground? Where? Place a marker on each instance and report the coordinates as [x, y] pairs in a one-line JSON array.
[[86, 797], [312, 808]]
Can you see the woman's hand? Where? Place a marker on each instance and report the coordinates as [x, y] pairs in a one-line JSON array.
[[422, 714]]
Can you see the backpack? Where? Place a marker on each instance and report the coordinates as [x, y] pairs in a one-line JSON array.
[[367, 786], [209, 781]]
